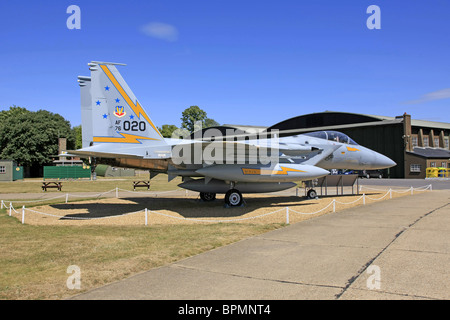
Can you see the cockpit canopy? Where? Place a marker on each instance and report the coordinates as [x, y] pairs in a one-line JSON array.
[[332, 136]]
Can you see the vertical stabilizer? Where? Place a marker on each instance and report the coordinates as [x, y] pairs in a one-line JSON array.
[[117, 115]]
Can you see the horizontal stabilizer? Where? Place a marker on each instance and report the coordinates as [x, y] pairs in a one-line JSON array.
[[86, 154]]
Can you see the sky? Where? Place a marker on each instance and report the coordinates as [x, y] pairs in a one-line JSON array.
[[244, 62]]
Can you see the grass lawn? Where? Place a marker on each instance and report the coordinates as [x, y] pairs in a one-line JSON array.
[[34, 259], [102, 184]]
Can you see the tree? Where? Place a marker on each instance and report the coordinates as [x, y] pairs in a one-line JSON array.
[[194, 114], [77, 132], [190, 116], [31, 138], [167, 129], [211, 123]]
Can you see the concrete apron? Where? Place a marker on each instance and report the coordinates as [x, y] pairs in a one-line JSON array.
[[395, 249]]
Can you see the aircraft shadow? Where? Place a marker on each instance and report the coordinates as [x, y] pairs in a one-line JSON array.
[[188, 208]]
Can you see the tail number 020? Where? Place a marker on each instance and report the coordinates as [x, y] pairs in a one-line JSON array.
[[134, 126]]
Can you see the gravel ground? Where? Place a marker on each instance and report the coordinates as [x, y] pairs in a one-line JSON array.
[[179, 208]]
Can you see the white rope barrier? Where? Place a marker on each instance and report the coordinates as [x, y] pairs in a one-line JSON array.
[[95, 195], [146, 211], [423, 188], [376, 199], [315, 212], [37, 200], [150, 192], [83, 218], [12, 208], [116, 190], [215, 220], [351, 201]]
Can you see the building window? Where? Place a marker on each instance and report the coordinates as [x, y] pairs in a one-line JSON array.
[[444, 164], [415, 141], [425, 142], [446, 142], [436, 142], [2, 169], [433, 164], [414, 168]]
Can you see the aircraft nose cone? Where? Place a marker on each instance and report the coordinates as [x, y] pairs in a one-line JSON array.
[[384, 162], [322, 172]]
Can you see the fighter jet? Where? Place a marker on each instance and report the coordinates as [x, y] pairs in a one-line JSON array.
[[117, 130]]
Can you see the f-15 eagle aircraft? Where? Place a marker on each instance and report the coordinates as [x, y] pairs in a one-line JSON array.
[[117, 130]]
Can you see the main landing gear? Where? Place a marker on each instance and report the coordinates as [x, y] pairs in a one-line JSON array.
[[233, 197], [207, 196]]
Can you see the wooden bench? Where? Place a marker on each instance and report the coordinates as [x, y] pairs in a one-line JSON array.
[[141, 184], [46, 185]]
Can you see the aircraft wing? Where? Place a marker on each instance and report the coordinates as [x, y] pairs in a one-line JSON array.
[[188, 151], [316, 156], [240, 151]]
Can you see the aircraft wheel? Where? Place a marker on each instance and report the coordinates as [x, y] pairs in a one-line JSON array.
[[312, 194], [233, 198], [207, 196]]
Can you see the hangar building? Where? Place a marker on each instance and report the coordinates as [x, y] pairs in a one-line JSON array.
[[413, 144]]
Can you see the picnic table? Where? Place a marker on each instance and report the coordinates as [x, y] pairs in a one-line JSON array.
[[46, 185], [141, 184]]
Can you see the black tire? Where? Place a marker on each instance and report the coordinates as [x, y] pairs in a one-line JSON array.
[[207, 196], [312, 194], [233, 198]]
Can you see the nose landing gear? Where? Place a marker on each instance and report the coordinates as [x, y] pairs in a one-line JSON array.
[[312, 194]]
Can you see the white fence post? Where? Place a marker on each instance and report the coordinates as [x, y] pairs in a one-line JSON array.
[[2, 205], [117, 192], [67, 197], [412, 190], [287, 215], [146, 219], [431, 187], [334, 205], [10, 208], [364, 198], [390, 193], [23, 214]]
